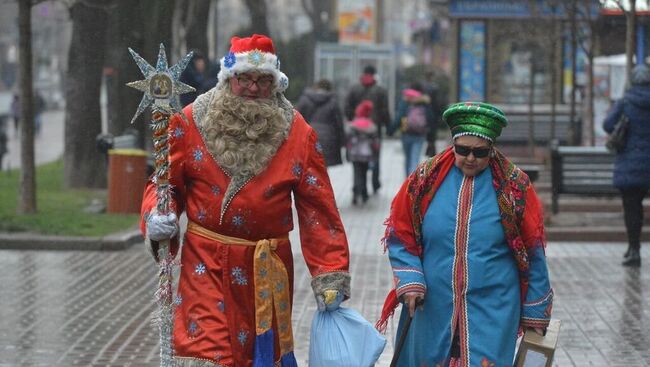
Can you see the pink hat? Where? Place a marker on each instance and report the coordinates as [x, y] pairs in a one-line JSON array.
[[411, 93]]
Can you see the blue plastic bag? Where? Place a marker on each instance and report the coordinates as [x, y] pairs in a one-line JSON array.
[[343, 338]]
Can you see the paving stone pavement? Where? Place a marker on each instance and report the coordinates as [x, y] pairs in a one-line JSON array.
[[92, 308]]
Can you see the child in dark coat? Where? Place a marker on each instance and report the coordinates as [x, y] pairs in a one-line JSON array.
[[362, 147]]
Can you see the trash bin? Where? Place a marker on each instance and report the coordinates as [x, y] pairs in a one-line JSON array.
[[127, 176]]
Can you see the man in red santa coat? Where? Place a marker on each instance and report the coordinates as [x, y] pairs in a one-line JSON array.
[[234, 168]]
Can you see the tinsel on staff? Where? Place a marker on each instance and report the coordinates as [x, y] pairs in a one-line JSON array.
[[161, 88]]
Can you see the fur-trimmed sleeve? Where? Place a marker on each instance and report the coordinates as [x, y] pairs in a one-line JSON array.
[[322, 237]]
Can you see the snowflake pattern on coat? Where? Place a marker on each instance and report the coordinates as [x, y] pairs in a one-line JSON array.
[[199, 269], [239, 276], [242, 336], [178, 133]]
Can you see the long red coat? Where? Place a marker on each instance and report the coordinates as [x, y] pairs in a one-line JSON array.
[[214, 307]]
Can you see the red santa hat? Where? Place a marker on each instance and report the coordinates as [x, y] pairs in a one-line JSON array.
[[255, 53]]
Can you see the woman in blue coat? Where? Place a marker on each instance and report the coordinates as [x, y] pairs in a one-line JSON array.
[[466, 235], [632, 167]]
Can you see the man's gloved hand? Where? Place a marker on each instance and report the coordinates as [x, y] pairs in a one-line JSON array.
[[162, 227], [330, 300]]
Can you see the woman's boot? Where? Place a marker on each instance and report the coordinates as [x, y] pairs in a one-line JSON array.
[[633, 258]]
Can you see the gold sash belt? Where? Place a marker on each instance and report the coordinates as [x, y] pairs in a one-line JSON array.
[[271, 283]]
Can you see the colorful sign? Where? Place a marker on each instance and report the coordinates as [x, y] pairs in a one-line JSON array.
[[356, 21], [471, 81]]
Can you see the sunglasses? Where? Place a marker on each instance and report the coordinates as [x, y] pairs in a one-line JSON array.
[[478, 152]]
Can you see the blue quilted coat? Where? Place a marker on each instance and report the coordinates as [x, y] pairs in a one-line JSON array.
[[632, 167]]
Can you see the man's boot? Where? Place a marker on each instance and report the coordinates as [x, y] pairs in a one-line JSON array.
[[633, 259]]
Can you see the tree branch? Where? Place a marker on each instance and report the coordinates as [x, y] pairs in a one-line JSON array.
[[308, 9]]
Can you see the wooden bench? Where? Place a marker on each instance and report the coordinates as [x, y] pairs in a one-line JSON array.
[[516, 133], [581, 171]]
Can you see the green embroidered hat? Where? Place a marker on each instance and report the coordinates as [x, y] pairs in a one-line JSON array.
[[475, 118]]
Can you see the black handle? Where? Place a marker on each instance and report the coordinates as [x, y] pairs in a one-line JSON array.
[[402, 338]]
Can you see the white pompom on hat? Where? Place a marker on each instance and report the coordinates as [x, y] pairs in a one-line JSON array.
[[255, 53]]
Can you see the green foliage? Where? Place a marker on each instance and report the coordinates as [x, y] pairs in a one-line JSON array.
[[60, 210]]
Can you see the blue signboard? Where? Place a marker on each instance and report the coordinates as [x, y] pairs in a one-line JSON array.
[[510, 8], [471, 81], [489, 9]]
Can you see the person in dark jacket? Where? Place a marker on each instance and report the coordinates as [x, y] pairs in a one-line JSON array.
[[319, 106], [438, 104], [194, 76], [632, 167], [4, 140], [368, 89]]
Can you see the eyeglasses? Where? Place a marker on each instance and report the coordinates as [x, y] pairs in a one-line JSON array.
[[262, 83], [478, 152]]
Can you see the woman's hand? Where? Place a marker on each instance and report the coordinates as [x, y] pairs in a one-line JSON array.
[[413, 300], [539, 331]]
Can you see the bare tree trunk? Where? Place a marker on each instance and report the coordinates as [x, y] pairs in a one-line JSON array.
[[197, 32], [257, 10], [124, 30], [589, 98], [320, 12], [630, 41], [158, 30], [27, 203], [531, 104], [178, 25], [83, 164], [553, 64], [574, 133], [133, 26]]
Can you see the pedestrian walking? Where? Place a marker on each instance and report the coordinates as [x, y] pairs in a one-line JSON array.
[[466, 235], [369, 89], [15, 113], [39, 108], [438, 102], [362, 147], [235, 166], [632, 166], [4, 149], [414, 119], [320, 108]]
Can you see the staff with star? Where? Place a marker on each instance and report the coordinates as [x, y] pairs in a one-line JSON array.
[[161, 88]]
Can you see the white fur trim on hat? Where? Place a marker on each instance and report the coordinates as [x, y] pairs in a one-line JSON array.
[[473, 134], [254, 60]]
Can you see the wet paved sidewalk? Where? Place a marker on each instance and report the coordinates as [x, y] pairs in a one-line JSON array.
[[90, 308]]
